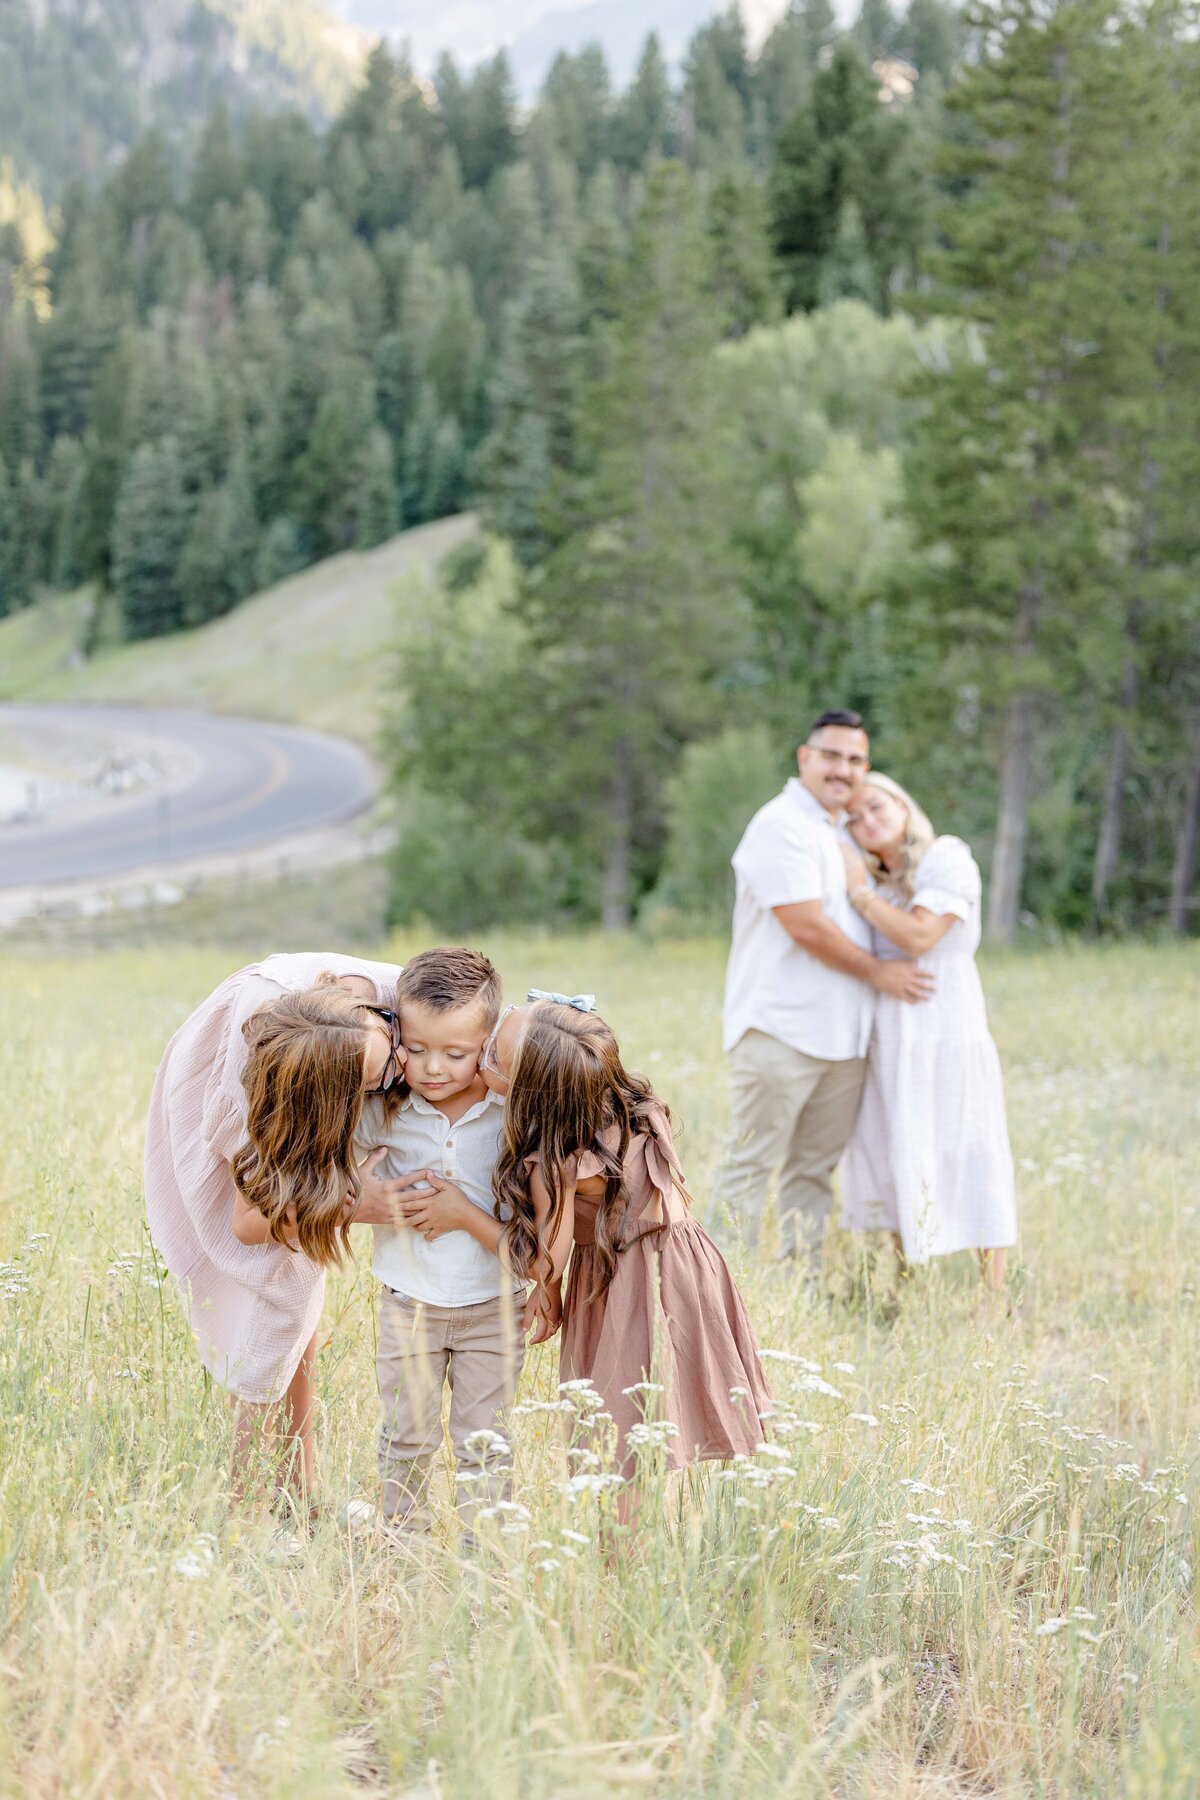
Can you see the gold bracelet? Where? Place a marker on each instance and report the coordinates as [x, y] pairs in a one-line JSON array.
[[860, 897]]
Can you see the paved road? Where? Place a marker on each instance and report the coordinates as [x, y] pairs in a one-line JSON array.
[[243, 784]]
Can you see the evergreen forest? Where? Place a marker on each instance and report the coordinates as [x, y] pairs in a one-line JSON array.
[[860, 370]]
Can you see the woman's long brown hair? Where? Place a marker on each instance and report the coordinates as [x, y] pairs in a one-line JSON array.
[[304, 1097], [567, 1091]]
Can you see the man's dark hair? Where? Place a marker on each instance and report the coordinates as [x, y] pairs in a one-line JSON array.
[[449, 977], [852, 721]]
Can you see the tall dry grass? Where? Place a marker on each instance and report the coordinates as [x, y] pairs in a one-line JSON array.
[[966, 1568]]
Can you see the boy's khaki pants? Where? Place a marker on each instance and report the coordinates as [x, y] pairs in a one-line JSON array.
[[478, 1350], [792, 1113]]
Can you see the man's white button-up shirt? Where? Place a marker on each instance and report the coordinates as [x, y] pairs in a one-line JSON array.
[[788, 854]]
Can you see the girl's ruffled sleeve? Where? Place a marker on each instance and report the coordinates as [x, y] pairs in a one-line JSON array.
[[948, 879]]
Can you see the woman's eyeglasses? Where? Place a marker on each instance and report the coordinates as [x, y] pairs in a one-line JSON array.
[[488, 1058], [392, 1067]]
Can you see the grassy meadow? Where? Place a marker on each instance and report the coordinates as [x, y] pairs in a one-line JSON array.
[[966, 1567]]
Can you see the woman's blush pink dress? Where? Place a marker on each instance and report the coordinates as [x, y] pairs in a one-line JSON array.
[[252, 1307], [671, 1314]]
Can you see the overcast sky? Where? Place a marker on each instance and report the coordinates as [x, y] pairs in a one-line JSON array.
[[533, 31]]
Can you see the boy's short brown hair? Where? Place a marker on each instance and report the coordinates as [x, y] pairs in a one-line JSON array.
[[449, 977]]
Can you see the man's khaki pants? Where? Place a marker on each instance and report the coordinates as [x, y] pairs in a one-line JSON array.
[[788, 1112], [478, 1351]]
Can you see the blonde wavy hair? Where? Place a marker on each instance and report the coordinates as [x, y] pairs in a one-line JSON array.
[[918, 836], [304, 1097]]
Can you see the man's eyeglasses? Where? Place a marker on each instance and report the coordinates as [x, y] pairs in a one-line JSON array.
[[392, 1067], [833, 757]]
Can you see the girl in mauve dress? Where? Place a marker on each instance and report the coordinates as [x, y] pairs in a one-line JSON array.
[[589, 1166]]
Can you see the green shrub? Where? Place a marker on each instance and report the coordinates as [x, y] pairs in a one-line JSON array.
[[720, 782]]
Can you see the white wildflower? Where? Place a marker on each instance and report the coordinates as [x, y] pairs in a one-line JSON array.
[[485, 1442], [195, 1563], [652, 1435], [864, 1419], [814, 1384], [588, 1483], [844, 1368], [1051, 1627]]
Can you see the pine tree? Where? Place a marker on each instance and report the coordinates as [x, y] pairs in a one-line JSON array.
[[375, 502], [20, 413], [876, 29], [715, 114], [218, 563], [577, 98], [931, 38], [150, 529], [784, 71], [845, 148], [10, 597], [534, 392], [1000, 484], [634, 603], [641, 123], [66, 483], [744, 276]]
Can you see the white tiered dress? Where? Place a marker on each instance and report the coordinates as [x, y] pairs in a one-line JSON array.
[[252, 1307], [929, 1156]]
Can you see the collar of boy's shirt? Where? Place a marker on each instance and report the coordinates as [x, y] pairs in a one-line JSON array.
[[812, 805], [420, 1104]]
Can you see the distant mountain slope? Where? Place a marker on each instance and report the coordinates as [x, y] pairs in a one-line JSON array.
[[80, 78]]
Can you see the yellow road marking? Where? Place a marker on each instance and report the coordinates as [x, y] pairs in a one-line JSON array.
[[280, 767]]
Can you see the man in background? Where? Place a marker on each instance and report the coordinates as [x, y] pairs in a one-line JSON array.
[[800, 996]]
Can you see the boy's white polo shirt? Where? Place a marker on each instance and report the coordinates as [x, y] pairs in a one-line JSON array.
[[453, 1270]]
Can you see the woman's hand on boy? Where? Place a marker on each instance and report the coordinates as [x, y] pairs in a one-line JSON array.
[[434, 1206], [379, 1198]]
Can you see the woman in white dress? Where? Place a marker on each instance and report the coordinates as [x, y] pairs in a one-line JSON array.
[[929, 1158], [250, 1178]]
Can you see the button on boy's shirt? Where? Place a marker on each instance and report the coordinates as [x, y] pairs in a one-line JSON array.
[[453, 1270]]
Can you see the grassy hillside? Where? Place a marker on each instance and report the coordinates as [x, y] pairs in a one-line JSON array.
[[314, 650], [969, 1569]]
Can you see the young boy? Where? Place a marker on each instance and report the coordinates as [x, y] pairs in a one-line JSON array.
[[449, 1310]]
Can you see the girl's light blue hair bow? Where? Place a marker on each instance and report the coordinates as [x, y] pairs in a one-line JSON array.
[[581, 1002]]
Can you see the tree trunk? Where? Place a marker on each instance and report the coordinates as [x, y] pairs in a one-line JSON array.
[[614, 904], [1187, 841], [1008, 863], [1108, 843], [1012, 819]]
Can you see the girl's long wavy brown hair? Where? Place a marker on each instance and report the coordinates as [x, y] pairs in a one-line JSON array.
[[304, 1093], [568, 1089]]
